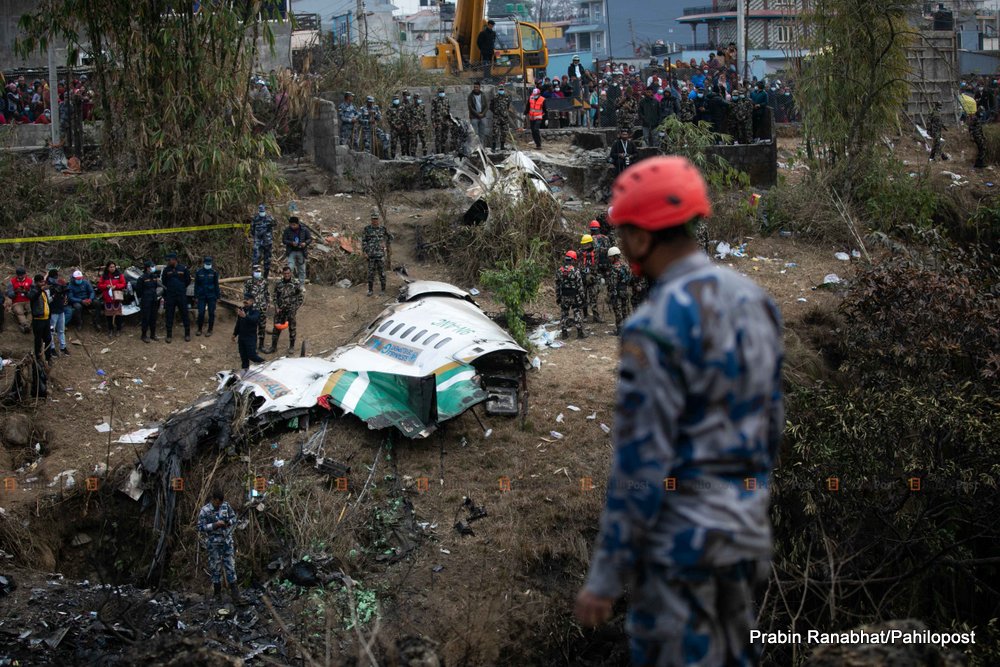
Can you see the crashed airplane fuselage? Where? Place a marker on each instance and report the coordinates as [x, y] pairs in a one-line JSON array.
[[424, 360]]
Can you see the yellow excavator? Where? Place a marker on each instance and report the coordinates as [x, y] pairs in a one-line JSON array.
[[520, 46]]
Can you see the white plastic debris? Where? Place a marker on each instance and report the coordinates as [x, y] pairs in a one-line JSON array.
[[64, 480], [592, 416], [344, 284], [724, 250], [473, 291], [842, 256], [278, 463], [573, 408], [801, 299], [831, 279], [856, 254], [103, 427], [556, 434], [559, 418], [488, 433], [536, 363], [138, 437], [605, 428]]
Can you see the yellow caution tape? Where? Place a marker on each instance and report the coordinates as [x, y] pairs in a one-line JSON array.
[[131, 232]]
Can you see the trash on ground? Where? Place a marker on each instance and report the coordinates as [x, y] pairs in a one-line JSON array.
[[556, 434], [831, 279], [573, 408], [103, 427], [724, 250], [842, 256], [138, 437], [559, 418], [605, 428]]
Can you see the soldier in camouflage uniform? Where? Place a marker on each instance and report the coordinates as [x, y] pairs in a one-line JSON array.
[[348, 114], [697, 427], [396, 115], [640, 288], [371, 116], [407, 139], [569, 294], [976, 132], [628, 111], [217, 520], [441, 120], [688, 111], [935, 126], [262, 235], [287, 300], [591, 278], [741, 118], [500, 108], [618, 279], [374, 240], [419, 125], [256, 286]]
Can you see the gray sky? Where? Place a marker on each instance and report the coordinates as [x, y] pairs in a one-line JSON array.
[[651, 20]]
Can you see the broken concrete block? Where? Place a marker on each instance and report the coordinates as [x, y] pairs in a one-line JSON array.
[[17, 430]]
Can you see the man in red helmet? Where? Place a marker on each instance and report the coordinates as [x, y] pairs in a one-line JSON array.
[[569, 295], [698, 422]]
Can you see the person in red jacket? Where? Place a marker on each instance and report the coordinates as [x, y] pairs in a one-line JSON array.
[[111, 287], [16, 298]]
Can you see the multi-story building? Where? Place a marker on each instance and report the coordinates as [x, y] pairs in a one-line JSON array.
[[770, 24], [589, 32]]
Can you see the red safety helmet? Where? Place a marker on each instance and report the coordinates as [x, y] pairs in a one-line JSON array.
[[571, 254], [594, 224], [659, 192]]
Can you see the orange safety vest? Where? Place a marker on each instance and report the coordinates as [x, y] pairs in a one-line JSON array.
[[535, 108]]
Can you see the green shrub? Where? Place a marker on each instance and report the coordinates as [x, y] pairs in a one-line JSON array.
[[516, 283]]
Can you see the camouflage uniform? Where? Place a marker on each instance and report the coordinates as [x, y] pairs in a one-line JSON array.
[[287, 300], [688, 111], [219, 541], [348, 114], [628, 112], [441, 120], [640, 286], [976, 132], [419, 126], [569, 294], [370, 118], [698, 424], [373, 241], [396, 115], [257, 288], [500, 108], [619, 277], [262, 233], [591, 280], [935, 126], [741, 122]]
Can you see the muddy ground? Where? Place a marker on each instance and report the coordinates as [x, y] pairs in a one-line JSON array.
[[499, 596]]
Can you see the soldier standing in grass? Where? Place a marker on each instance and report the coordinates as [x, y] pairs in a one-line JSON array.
[[698, 422], [441, 120], [742, 117], [348, 114], [398, 121], [256, 287], [419, 126], [287, 301], [618, 280], [374, 240], [569, 294], [262, 234], [217, 520], [976, 132]]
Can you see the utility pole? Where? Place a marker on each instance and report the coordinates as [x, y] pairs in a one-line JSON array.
[[631, 32], [362, 24], [53, 91], [741, 37]]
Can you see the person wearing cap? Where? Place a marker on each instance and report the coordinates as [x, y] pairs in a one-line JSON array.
[[397, 118], [38, 303], [569, 296], [371, 116], [347, 114], [256, 286], [534, 111], [262, 236], [80, 297], [296, 239], [147, 292], [500, 125], [441, 120], [699, 404], [175, 279], [578, 76], [418, 115], [486, 41], [741, 117], [247, 325], [375, 241], [17, 300], [58, 306], [206, 291]]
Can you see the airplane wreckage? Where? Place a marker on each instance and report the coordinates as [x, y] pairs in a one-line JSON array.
[[428, 358]]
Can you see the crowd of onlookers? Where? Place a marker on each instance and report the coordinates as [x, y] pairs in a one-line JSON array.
[[30, 103]]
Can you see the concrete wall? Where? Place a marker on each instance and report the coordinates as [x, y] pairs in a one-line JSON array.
[[10, 14], [38, 136], [933, 61]]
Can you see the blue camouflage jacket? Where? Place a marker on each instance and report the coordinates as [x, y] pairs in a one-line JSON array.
[[206, 523], [698, 421]]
